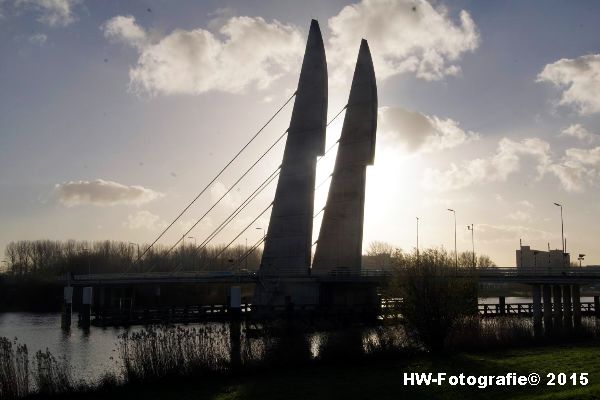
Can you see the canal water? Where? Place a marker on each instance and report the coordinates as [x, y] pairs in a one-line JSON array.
[[92, 353]]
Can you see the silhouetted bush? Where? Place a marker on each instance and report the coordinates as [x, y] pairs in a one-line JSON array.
[[437, 292]]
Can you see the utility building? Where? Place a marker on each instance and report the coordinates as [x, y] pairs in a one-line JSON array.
[[537, 261]]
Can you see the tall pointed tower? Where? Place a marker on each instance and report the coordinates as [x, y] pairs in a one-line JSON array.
[[288, 242], [341, 235]]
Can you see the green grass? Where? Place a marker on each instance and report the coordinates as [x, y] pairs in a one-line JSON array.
[[384, 380]]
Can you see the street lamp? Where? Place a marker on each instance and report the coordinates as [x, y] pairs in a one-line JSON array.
[[580, 258], [417, 240], [455, 252], [471, 228], [562, 230]]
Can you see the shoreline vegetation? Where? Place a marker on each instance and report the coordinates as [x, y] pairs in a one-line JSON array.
[[439, 331], [183, 362]]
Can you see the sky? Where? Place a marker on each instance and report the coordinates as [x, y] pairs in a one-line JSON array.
[[114, 115]]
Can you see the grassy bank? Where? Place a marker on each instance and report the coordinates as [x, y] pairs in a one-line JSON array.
[[384, 380]]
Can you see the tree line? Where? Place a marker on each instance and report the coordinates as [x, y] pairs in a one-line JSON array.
[[48, 258]]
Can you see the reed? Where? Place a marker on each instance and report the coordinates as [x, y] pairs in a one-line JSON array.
[[174, 351], [52, 376], [14, 369]]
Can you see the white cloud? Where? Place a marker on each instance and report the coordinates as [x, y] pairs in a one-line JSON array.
[[579, 80], [500, 233], [103, 193], [54, 13], [144, 220], [38, 39], [125, 30], [578, 131], [218, 190], [504, 162], [525, 204], [520, 216], [253, 51], [418, 131], [404, 36], [577, 168]]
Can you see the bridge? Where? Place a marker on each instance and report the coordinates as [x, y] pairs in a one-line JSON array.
[[580, 276], [289, 276]]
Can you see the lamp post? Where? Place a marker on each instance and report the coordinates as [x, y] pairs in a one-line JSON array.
[[455, 252], [562, 231], [471, 228], [417, 240], [580, 258]]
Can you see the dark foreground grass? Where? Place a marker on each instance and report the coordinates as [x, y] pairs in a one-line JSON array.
[[384, 380]]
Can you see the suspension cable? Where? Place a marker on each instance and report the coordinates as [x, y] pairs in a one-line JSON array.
[[250, 251], [230, 189], [243, 230], [217, 176], [239, 209]]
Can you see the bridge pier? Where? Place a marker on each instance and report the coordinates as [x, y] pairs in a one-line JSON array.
[[86, 307], [558, 309], [576, 295], [567, 314], [502, 305], [235, 328], [67, 308], [547, 294], [597, 306], [536, 295]]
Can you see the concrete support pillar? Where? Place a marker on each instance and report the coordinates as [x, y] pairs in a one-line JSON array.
[[235, 330], [547, 295], [597, 306], [85, 313], [567, 313], [67, 308], [502, 305], [536, 294], [558, 309], [576, 297]]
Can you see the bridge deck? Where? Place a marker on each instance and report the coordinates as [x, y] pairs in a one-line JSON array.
[[585, 275]]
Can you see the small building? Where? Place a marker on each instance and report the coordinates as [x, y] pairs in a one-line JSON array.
[[542, 261]]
